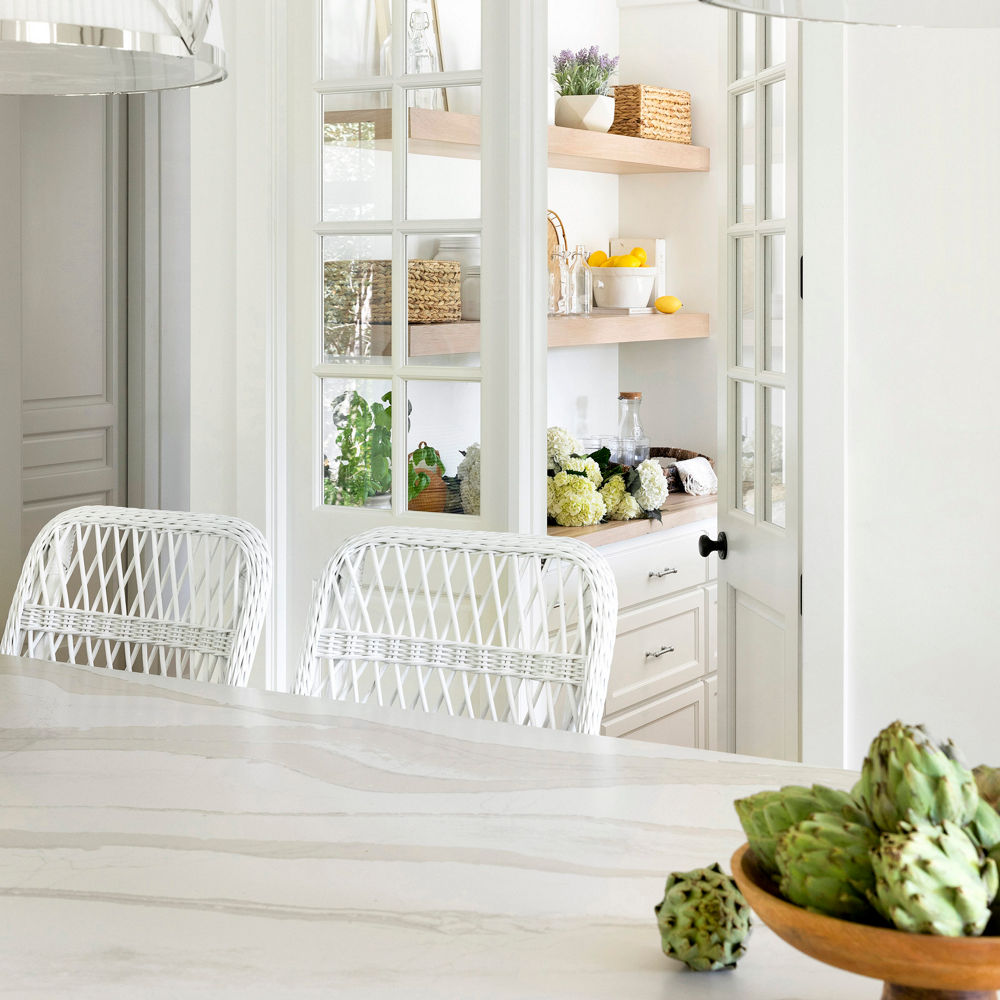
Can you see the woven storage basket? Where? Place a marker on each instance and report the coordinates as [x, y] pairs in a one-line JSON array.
[[652, 113], [360, 291], [674, 483]]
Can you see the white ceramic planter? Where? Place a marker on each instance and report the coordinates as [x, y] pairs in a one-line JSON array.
[[592, 112]]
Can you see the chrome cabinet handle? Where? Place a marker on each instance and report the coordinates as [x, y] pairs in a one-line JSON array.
[[653, 575], [659, 652]]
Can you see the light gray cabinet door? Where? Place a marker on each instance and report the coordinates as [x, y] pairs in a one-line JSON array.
[[63, 439]]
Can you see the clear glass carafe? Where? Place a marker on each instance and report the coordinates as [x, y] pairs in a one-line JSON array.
[[633, 446], [422, 58], [581, 287]]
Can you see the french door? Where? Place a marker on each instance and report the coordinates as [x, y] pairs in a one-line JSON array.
[[415, 276], [759, 492]]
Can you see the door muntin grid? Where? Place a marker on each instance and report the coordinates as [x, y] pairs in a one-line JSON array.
[[364, 333], [756, 233]]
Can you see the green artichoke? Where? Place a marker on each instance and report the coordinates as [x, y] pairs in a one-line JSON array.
[[704, 920], [984, 827], [933, 880], [825, 865], [767, 815], [988, 783], [907, 777]]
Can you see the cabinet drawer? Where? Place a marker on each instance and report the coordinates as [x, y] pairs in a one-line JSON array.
[[677, 718], [660, 567], [658, 648]]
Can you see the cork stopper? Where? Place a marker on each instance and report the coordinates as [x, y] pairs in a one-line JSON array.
[[630, 395]]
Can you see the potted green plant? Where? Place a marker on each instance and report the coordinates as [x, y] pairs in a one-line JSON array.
[[427, 489], [583, 80], [365, 450]]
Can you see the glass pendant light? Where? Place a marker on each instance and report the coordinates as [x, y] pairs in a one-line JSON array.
[[108, 46], [894, 13]]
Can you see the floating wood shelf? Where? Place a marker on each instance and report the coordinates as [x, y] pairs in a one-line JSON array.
[[430, 339], [567, 331], [449, 133], [679, 509]]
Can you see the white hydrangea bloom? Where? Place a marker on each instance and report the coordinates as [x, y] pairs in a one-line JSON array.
[[573, 501], [653, 487], [560, 444], [612, 493], [627, 510], [468, 475], [585, 465]]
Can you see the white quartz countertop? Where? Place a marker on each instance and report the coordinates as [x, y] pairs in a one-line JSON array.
[[164, 839]]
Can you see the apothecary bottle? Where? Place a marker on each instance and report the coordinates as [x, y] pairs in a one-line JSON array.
[[633, 443], [581, 284]]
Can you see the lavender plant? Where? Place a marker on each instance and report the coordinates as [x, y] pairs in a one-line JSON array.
[[585, 72]]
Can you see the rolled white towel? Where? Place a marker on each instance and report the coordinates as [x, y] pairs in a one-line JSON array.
[[698, 477]]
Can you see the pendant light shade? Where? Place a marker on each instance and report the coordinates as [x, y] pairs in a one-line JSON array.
[[108, 46], [894, 13]]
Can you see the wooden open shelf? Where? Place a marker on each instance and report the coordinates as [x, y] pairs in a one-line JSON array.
[[566, 331], [430, 339], [448, 133]]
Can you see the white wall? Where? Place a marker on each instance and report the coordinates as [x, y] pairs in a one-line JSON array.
[[678, 380], [583, 381], [922, 157]]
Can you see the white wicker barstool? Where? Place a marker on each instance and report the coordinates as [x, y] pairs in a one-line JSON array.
[[511, 628], [152, 591]]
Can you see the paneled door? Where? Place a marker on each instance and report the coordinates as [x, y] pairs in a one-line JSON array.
[[414, 361], [62, 322], [759, 396]]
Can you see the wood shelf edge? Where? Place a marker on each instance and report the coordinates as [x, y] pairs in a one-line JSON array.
[[679, 510]]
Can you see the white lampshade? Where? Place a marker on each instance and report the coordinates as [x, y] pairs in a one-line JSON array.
[[108, 46], [895, 13]]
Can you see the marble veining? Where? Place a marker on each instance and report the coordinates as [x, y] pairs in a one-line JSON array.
[[184, 839]]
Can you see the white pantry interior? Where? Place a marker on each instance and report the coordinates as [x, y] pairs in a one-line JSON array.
[[393, 174], [882, 549]]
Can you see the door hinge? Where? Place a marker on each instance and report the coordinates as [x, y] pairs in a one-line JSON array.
[[801, 276], [800, 595]]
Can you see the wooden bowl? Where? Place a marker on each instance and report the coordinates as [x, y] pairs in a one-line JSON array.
[[912, 966]]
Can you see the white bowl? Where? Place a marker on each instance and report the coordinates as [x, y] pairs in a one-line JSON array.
[[622, 287]]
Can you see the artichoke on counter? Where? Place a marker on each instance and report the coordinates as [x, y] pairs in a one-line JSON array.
[[704, 920]]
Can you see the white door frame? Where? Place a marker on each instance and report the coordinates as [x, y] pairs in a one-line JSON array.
[[825, 466], [751, 539], [514, 140]]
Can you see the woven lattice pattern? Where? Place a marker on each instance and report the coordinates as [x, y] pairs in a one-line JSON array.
[[652, 113], [488, 625], [158, 592]]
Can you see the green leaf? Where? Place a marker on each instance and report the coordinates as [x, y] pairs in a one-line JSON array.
[[574, 472], [633, 483], [655, 515], [602, 457]]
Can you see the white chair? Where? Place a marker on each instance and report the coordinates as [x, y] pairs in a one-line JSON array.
[[152, 591], [506, 627]]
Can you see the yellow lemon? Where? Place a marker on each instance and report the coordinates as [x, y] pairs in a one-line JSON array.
[[597, 259], [668, 304], [639, 254], [627, 260], [612, 261]]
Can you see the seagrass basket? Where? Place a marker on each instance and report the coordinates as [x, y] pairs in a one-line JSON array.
[[359, 292], [652, 113]]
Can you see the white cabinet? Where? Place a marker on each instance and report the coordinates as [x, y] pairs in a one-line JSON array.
[[664, 680]]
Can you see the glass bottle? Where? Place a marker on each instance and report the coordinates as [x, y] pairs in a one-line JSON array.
[[421, 57], [634, 446], [581, 284], [564, 287], [555, 283]]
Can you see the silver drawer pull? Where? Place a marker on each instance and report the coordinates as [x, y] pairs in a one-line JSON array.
[[659, 652], [653, 575]]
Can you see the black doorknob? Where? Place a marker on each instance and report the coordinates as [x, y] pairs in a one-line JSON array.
[[706, 546]]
